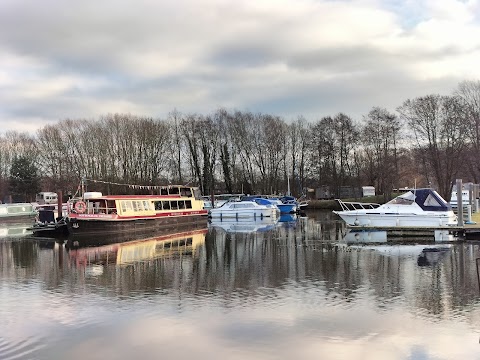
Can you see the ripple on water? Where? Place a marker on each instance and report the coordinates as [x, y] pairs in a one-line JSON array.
[[22, 349]]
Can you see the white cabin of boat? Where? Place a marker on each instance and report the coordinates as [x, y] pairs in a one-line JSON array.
[[242, 209]]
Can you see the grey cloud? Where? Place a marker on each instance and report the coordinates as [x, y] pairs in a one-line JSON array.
[[243, 55], [228, 62], [342, 59]]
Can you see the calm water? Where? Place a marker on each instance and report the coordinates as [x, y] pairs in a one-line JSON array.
[[291, 290]]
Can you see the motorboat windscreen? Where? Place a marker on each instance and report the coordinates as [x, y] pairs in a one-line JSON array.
[[405, 199]]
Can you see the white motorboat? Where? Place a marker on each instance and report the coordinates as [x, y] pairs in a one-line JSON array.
[[244, 209], [415, 208], [219, 200], [17, 211]]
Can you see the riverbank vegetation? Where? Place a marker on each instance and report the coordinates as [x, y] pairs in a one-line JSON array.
[[429, 141]]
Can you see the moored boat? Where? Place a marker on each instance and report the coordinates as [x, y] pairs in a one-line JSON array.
[[245, 209], [95, 213], [454, 198], [289, 205], [415, 208], [284, 204], [17, 211], [219, 200]]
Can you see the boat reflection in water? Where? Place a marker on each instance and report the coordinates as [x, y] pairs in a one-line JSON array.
[[432, 256], [382, 236], [426, 254], [11, 230], [288, 220], [177, 241], [355, 237], [244, 225]]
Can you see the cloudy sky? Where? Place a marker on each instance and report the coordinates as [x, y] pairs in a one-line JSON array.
[[81, 59]]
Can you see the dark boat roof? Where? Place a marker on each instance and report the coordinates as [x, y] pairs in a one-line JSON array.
[[428, 199]]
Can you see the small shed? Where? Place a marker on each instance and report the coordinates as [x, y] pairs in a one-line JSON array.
[[368, 191]]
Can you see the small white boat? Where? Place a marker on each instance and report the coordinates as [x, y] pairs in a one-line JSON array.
[[17, 211], [465, 199], [244, 209], [415, 208]]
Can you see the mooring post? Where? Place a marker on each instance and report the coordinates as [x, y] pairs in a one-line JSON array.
[[60, 204], [469, 215], [475, 198], [459, 203]]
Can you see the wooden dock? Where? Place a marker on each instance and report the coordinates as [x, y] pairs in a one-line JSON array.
[[465, 232], [471, 231]]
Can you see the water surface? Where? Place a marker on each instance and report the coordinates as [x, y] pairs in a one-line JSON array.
[[296, 289]]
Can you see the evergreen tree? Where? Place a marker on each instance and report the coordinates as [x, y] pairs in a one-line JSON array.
[[24, 180]]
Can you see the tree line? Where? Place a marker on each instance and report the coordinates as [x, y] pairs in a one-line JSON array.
[[430, 141]]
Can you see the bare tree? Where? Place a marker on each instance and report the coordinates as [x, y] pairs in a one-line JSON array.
[[298, 134], [380, 134], [438, 124], [177, 144], [201, 135], [333, 145], [469, 92], [240, 126]]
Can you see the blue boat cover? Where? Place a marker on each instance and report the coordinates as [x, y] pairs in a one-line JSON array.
[[427, 199], [261, 201]]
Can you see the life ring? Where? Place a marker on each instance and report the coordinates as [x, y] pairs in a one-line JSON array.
[[80, 207]]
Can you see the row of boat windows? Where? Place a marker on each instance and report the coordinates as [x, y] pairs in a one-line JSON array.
[[98, 207], [144, 205], [182, 191], [173, 205]]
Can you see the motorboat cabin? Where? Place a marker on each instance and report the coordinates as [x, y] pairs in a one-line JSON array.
[[244, 209]]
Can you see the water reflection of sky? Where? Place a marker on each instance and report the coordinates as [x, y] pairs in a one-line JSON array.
[[285, 293]]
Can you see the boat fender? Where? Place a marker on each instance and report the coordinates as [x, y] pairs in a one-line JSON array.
[[80, 207]]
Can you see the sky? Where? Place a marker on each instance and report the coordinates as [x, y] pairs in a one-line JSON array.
[[64, 59]]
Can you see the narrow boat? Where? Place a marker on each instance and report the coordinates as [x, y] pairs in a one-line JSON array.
[[244, 209], [95, 213], [17, 211], [415, 208]]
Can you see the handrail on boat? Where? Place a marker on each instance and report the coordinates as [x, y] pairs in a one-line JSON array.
[[352, 205]]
